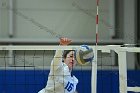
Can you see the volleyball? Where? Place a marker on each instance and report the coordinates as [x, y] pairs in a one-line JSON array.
[[84, 55]]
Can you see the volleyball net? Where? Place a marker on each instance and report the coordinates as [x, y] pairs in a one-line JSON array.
[[92, 77]]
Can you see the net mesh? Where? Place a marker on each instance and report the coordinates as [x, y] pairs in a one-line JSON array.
[[26, 69]]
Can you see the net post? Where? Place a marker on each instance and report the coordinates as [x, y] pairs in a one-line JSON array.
[[122, 71], [94, 72]]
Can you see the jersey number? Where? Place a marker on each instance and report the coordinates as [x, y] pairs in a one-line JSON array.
[[69, 86]]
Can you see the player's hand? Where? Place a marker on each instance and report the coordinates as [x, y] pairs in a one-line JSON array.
[[65, 41]]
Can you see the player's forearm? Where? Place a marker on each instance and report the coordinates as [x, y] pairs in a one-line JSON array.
[[57, 60]]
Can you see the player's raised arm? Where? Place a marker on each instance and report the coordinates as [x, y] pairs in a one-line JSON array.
[[57, 60]]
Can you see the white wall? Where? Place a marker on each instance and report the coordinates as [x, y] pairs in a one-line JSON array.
[[70, 18]]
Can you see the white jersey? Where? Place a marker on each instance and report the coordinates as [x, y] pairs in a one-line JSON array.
[[60, 79]]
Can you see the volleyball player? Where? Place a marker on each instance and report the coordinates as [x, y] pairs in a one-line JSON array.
[[60, 79]]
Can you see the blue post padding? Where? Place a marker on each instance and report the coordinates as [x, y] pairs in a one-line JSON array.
[[31, 81]]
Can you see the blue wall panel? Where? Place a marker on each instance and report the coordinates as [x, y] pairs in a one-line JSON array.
[[31, 81]]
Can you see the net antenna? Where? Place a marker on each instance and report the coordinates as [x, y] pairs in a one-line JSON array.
[[94, 63]]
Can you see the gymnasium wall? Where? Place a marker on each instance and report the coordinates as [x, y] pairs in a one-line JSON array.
[[74, 19]]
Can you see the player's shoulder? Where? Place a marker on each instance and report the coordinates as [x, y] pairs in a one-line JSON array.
[[75, 79]]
